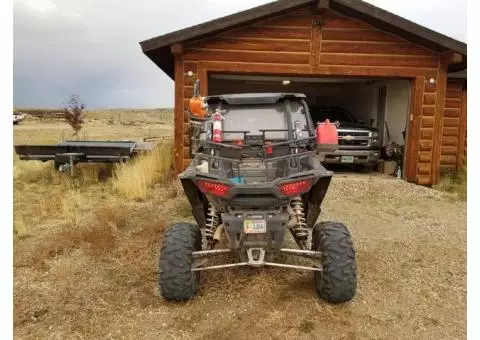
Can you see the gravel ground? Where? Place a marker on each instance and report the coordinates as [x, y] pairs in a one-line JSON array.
[[411, 253]]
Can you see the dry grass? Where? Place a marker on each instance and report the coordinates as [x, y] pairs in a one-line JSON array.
[[45, 173], [33, 171], [20, 228], [455, 183], [115, 216], [93, 173], [134, 179], [98, 280], [71, 205], [86, 266], [132, 117]]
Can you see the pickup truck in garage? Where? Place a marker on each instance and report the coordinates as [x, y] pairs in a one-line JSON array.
[[359, 143]]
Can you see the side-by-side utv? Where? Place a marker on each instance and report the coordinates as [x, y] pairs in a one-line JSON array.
[[255, 175]]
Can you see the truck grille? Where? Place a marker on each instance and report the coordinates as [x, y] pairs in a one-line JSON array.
[[353, 133], [354, 138]]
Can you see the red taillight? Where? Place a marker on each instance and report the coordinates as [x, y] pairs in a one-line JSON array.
[[213, 188], [295, 188]]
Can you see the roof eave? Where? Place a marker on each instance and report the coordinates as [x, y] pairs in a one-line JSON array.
[[395, 22], [158, 48], [223, 23]]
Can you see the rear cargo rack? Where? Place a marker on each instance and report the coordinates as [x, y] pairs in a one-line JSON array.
[[268, 168]]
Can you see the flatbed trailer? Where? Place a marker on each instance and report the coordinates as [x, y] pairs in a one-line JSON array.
[[66, 154]]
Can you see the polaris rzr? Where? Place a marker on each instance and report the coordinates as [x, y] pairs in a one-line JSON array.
[[255, 176]]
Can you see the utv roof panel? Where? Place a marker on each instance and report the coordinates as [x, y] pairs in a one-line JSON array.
[[254, 98]]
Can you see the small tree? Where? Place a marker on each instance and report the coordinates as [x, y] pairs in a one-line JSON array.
[[73, 111]]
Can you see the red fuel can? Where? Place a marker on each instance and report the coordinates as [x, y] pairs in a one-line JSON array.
[[327, 137], [327, 133]]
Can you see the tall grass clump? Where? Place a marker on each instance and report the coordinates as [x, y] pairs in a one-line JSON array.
[[71, 204], [40, 172], [454, 182], [92, 173], [20, 228], [33, 171], [134, 179]]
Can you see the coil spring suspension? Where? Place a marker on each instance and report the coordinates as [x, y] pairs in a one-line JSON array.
[[300, 227], [212, 222]]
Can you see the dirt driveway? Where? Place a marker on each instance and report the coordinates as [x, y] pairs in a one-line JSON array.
[[411, 249]]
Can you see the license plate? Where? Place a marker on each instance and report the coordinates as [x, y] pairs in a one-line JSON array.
[[255, 226], [347, 159]]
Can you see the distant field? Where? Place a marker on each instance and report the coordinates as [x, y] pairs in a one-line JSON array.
[[99, 125], [146, 115], [164, 116], [37, 111]]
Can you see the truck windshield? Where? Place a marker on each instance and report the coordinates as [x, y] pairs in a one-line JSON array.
[[332, 114], [254, 118]]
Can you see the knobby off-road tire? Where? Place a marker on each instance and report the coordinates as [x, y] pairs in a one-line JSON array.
[[338, 281], [177, 282]]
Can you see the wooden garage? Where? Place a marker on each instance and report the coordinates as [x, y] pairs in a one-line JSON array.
[[453, 152], [329, 38]]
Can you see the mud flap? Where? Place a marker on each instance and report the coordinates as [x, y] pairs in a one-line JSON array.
[[313, 200], [197, 200]]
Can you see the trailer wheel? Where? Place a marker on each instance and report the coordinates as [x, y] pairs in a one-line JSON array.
[[337, 282], [176, 280]]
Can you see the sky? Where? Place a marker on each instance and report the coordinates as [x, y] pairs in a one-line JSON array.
[[91, 47]]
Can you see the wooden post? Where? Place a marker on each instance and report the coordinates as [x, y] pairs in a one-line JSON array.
[[438, 127], [416, 101], [179, 108], [462, 133], [203, 77]]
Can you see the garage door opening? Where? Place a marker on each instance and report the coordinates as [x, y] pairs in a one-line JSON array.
[[373, 112]]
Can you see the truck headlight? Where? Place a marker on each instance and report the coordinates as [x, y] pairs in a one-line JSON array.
[[374, 134]]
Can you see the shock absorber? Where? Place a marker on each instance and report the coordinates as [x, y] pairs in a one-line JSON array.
[[212, 222], [298, 223]]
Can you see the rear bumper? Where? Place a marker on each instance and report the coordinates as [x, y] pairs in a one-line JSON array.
[[367, 157], [271, 239]]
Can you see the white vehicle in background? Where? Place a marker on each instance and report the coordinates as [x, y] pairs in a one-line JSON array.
[[17, 118]]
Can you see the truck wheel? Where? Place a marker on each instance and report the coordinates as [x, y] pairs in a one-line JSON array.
[[176, 280], [338, 281]]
